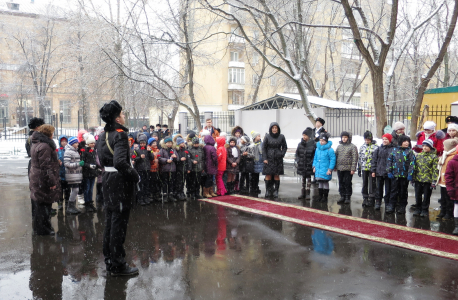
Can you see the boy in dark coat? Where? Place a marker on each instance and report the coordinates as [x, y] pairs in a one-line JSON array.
[[63, 141], [246, 165], [142, 163], [183, 166], [304, 159], [400, 167], [425, 176], [346, 162], [167, 160], [366, 152], [88, 157], [378, 169], [232, 164], [197, 159]]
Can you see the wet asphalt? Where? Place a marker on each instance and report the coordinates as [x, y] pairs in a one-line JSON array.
[[196, 250]]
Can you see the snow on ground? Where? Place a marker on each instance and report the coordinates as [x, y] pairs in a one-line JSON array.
[[14, 148]]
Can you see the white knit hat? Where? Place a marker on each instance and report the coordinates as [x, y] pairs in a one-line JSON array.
[[429, 125], [398, 125], [90, 139], [452, 126]]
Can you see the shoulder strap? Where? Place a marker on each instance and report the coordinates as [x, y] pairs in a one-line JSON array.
[[108, 144]]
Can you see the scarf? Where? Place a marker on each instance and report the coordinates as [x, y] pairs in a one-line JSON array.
[[235, 153], [257, 151], [428, 135]]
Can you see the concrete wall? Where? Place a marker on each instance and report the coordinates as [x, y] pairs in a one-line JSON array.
[[292, 121]]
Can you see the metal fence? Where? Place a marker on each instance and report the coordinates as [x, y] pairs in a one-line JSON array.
[[223, 120]]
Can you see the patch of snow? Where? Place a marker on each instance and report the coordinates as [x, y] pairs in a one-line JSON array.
[[323, 102]]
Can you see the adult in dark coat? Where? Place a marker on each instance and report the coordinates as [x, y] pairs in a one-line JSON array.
[[319, 129], [273, 151], [119, 183], [44, 178], [304, 159]]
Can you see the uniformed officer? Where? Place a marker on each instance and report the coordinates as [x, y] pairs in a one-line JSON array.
[[119, 182]]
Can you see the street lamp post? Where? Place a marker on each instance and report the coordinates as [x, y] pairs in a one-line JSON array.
[[61, 121]]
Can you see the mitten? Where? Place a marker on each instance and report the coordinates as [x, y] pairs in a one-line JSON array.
[[409, 178], [390, 176], [81, 163]]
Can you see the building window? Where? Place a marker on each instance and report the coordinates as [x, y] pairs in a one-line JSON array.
[[255, 58], [318, 84], [366, 105], [318, 46], [366, 88], [65, 108], [254, 79], [347, 48], [355, 101], [234, 56], [237, 75], [236, 97]]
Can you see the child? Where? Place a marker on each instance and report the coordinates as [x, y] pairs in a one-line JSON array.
[[63, 141], [258, 163], [154, 181], [246, 165], [222, 156], [232, 164], [88, 158], [347, 159], [73, 173], [211, 164], [447, 155], [183, 166], [400, 167], [142, 158], [167, 160], [424, 176], [304, 159], [237, 132], [451, 181], [324, 162], [197, 158], [366, 153], [378, 169]]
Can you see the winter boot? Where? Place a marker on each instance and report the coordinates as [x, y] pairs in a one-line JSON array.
[[455, 231], [303, 195], [325, 196], [197, 195], [424, 213], [212, 192], [401, 209], [365, 201], [276, 187], [342, 199], [71, 209], [370, 202], [90, 207], [60, 205], [307, 194], [320, 195], [181, 197], [389, 209], [347, 199], [207, 193], [378, 204], [417, 211], [441, 214], [449, 211], [268, 188], [171, 198]]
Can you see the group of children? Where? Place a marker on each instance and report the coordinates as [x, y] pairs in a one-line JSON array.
[[387, 169], [216, 168]]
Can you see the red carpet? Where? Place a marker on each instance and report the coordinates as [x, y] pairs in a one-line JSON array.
[[425, 241]]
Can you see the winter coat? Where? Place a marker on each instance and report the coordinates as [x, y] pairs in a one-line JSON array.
[[324, 160], [232, 159], [401, 162], [366, 156], [316, 134], [426, 167], [28, 143], [451, 178], [73, 171], [164, 155], [346, 156], [60, 155], [241, 134], [88, 155], [44, 169], [395, 138], [142, 164], [438, 139], [119, 188], [197, 154], [380, 159], [246, 161], [442, 166], [274, 148], [183, 166], [211, 159], [257, 152], [154, 163], [221, 153], [305, 153]]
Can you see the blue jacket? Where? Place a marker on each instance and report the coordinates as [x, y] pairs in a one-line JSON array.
[[60, 155], [324, 160]]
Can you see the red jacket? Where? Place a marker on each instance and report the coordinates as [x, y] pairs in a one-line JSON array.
[[438, 139], [221, 153], [451, 178]]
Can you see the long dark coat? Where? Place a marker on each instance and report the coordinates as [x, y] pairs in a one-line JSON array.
[[304, 157], [44, 169], [273, 150], [231, 159], [119, 188]]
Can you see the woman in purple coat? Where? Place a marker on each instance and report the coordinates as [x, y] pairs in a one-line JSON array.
[[211, 164]]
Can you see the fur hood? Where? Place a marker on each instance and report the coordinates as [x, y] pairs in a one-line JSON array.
[[38, 137], [237, 128]]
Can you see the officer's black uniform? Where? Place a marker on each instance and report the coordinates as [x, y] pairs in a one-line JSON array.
[[119, 190]]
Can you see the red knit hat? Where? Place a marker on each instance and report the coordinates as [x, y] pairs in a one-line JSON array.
[[388, 136]]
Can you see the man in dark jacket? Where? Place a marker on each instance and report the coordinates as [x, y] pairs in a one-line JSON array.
[[319, 129], [304, 159], [119, 187]]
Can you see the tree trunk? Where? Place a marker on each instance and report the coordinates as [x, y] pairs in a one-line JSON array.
[[379, 106]]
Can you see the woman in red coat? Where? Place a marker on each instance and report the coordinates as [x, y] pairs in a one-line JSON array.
[[451, 182], [44, 178], [430, 132]]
